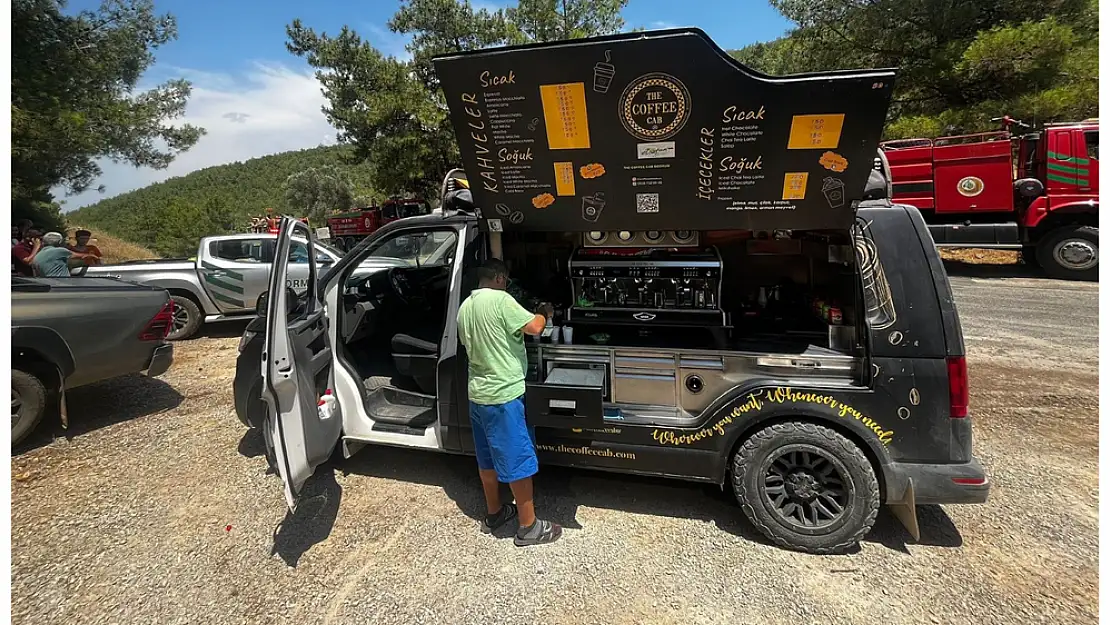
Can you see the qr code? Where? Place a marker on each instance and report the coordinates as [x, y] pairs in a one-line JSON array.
[[647, 202]]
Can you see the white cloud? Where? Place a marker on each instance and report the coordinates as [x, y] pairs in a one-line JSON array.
[[660, 25], [269, 109]]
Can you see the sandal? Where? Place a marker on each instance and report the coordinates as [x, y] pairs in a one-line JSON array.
[[492, 522], [541, 533]]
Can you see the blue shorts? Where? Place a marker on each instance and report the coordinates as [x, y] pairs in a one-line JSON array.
[[504, 441]]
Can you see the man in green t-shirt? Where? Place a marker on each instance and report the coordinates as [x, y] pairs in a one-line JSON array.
[[491, 327]]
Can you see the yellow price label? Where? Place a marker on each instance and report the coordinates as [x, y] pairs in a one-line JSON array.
[[794, 186], [812, 132]]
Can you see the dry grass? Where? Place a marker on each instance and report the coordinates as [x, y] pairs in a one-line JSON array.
[[115, 250], [981, 257]]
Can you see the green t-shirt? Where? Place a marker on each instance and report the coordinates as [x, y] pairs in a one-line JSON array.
[[490, 326], [53, 262]]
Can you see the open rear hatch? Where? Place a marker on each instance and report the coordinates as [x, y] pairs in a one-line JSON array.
[[659, 131]]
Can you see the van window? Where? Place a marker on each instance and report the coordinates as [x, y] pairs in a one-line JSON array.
[[1091, 137], [243, 250], [418, 249], [876, 290]]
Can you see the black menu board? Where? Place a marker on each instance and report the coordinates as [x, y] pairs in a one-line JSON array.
[[659, 130]]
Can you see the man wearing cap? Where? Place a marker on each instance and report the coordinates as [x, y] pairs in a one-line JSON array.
[[52, 259]]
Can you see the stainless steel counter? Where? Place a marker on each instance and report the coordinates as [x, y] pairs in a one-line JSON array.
[[676, 385]]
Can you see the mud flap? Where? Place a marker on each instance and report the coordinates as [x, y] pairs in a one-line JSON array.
[[905, 510], [62, 405]]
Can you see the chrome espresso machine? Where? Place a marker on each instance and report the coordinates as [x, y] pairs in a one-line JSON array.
[[648, 279]]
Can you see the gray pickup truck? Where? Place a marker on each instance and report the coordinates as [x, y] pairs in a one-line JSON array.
[[223, 281], [69, 332]]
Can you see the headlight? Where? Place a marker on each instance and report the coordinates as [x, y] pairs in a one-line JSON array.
[[246, 338]]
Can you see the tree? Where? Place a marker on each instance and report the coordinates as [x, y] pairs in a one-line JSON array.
[[318, 191], [960, 63], [181, 225], [74, 99], [392, 110], [554, 20]]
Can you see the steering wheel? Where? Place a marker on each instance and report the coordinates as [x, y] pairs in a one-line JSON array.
[[400, 284]]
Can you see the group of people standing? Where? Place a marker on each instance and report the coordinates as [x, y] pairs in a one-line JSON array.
[[49, 255], [268, 222]]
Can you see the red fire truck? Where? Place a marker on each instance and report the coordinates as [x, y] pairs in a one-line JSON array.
[[1035, 191], [347, 229]]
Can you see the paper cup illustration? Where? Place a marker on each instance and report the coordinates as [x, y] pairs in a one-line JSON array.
[[833, 189], [592, 205], [603, 75]]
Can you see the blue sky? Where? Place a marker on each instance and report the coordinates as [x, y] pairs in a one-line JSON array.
[[255, 98]]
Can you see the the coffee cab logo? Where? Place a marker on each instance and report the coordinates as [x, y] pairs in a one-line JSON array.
[[655, 107]]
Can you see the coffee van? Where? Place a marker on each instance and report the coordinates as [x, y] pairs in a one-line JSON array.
[[738, 301]]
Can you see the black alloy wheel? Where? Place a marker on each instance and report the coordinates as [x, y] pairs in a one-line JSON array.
[[804, 487]]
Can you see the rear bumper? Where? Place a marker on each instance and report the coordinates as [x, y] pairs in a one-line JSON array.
[[939, 483], [161, 360]]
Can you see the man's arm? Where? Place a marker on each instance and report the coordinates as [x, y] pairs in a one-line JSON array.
[[518, 318]]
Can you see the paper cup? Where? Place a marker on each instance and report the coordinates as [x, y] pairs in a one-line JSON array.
[[568, 335]]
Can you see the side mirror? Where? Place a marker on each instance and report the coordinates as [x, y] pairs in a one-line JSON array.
[[263, 303], [324, 261]]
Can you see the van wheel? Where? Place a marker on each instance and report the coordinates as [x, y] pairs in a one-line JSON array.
[[186, 318], [1070, 253], [806, 487], [28, 404]]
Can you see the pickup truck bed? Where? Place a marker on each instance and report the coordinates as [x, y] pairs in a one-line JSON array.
[[69, 332]]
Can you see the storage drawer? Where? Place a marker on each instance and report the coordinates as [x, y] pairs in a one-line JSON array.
[[563, 406], [644, 386]]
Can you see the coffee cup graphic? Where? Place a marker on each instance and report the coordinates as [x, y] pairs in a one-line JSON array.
[[592, 205], [833, 188], [603, 74]]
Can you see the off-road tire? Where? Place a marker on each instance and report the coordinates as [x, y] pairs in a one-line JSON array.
[[752, 459], [194, 318], [1053, 267], [32, 399]]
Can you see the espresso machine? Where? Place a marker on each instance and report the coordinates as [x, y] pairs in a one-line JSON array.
[[648, 286]]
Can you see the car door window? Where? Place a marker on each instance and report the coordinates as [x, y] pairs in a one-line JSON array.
[[419, 249], [298, 253], [1091, 137], [243, 250]]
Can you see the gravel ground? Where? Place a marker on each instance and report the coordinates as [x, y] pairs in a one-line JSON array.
[[157, 509]]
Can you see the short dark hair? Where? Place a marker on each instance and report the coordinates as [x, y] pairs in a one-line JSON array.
[[82, 232], [489, 270]]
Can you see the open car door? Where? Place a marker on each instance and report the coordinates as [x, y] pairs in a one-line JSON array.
[[296, 368]]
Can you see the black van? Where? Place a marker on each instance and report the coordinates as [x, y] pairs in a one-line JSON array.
[[765, 320]]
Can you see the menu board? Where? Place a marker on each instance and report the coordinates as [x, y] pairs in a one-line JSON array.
[[659, 131]]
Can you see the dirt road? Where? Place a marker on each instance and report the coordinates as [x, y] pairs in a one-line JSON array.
[[158, 509]]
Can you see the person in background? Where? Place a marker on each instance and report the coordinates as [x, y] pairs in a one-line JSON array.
[[19, 230], [82, 246], [491, 327], [51, 259], [22, 252]]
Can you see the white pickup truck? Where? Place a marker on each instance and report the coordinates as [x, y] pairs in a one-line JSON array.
[[223, 281]]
